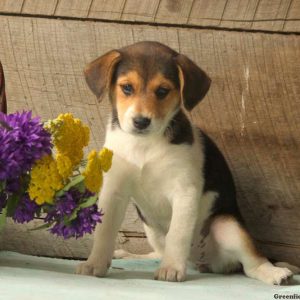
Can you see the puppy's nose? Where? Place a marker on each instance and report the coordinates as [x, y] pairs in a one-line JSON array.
[[141, 122]]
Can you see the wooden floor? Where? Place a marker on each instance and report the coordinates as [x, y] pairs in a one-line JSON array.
[[252, 110]]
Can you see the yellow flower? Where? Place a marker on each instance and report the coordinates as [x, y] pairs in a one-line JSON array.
[[64, 165], [93, 177], [105, 156], [70, 136], [45, 180]]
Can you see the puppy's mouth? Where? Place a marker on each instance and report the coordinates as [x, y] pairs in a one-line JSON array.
[[140, 132]]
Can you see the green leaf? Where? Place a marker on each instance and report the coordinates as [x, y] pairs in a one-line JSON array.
[[2, 186], [12, 203], [77, 179], [89, 202], [81, 187], [47, 225], [74, 181], [72, 216], [3, 218]]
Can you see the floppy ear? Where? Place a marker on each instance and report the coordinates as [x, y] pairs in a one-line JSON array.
[[194, 83], [99, 72]]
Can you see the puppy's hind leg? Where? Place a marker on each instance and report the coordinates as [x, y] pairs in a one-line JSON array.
[[233, 240]]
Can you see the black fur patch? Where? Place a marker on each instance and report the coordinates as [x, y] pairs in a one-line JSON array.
[[148, 59], [179, 130], [218, 178]]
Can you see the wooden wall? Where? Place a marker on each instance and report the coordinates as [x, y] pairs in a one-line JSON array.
[[252, 110], [267, 15]]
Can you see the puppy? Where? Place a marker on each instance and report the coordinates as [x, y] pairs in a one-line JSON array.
[[174, 173]]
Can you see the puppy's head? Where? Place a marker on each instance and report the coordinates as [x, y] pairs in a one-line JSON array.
[[147, 82]]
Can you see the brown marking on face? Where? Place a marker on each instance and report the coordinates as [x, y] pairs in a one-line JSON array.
[[168, 103], [181, 80], [148, 58], [122, 101], [144, 98]]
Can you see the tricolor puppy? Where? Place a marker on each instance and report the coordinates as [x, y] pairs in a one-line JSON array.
[[174, 173]]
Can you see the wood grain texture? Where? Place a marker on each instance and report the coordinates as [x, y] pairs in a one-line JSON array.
[[252, 111], [239, 14], [207, 13], [39, 7], [174, 12], [11, 6], [140, 10], [107, 9], [73, 8], [270, 15], [292, 22]]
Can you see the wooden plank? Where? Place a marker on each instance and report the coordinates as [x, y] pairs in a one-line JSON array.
[[39, 7], [239, 14], [140, 10], [271, 14], [207, 13], [174, 12], [279, 252], [11, 6], [107, 9], [252, 109], [73, 8], [292, 22]]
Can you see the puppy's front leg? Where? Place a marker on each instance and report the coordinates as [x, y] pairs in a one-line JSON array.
[[113, 201], [185, 208]]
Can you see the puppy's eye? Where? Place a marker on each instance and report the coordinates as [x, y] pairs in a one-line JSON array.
[[162, 92], [127, 89]]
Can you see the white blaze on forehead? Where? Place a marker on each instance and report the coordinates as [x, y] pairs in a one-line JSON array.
[[126, 121]]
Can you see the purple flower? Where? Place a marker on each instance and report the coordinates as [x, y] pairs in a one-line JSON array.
[[23, 140], [86, 221], [86, 218], [13, 185], [66, 204], [26, 210]]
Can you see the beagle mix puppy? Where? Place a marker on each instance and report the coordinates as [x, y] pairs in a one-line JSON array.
[[174, 173]]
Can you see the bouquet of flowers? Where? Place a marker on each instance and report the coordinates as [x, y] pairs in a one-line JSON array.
[[43, 173]]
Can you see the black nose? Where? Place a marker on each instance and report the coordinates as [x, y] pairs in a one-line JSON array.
[[141, 122]]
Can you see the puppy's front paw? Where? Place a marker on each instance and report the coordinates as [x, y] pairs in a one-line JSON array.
[[169, 273], [92, 269]]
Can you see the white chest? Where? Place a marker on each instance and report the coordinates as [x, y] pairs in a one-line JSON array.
[[157, 171]]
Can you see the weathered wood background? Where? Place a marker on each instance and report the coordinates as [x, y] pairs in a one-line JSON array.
[[251, 50], [270, 15]]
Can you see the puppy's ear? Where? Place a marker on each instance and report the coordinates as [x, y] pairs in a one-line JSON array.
[[99, 72], [194, 83]]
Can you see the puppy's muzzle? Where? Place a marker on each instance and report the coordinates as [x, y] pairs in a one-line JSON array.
[[141, 123]]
